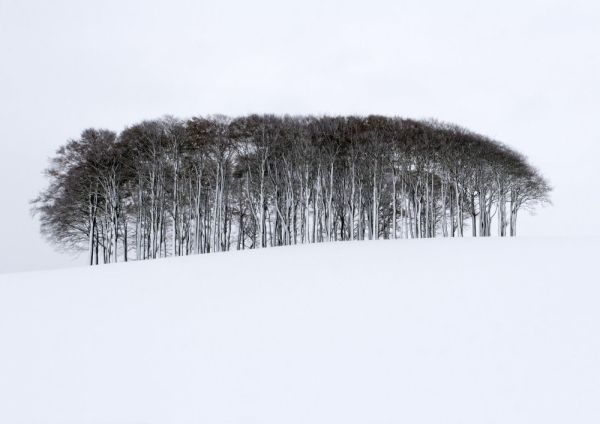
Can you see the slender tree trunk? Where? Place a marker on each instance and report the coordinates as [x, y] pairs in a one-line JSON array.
[[394, 232], [375, 218]]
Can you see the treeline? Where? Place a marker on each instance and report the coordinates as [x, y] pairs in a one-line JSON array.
[[170, 187]]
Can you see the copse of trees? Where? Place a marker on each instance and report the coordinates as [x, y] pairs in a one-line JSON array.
[[170, 187]]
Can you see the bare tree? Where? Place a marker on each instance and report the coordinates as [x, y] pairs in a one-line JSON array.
[[202, 185]]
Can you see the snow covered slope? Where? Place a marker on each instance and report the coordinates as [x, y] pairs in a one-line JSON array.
[[408, 331]]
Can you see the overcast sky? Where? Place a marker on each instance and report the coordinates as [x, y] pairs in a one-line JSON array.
[[524, 72]]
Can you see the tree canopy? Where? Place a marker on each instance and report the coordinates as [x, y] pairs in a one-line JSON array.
[[170, 187]]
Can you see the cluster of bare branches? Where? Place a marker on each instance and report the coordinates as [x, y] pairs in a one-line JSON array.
[[169, 187]]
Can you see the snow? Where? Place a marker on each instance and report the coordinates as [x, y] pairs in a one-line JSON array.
[[405, 331]]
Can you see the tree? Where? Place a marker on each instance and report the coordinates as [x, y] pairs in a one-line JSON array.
[[199, 186]]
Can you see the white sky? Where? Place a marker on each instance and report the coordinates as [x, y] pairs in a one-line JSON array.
[[524, 72]]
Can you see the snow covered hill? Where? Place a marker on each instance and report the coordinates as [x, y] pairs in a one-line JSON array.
[[407, 331]]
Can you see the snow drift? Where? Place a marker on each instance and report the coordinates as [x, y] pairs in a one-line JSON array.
[[406, 331]]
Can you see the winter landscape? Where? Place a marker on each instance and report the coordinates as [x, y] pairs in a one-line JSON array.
[[468, 330], [305, 212]]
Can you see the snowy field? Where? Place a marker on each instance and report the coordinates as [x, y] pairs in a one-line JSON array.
[[408, 331]]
